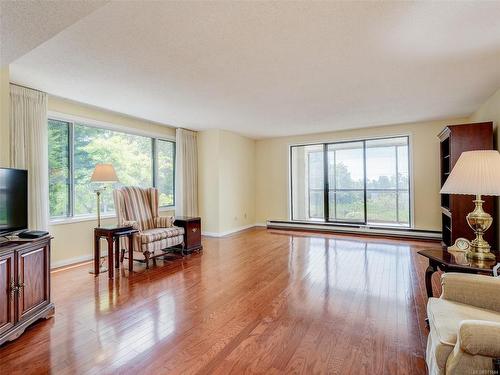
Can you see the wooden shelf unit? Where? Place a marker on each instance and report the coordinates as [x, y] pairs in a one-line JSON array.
[[454, 140]]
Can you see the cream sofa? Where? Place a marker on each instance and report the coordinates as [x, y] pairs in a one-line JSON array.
[[464, 323]]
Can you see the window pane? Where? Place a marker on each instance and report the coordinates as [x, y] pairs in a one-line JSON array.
[[165, 153], [58, 139], [349, 206], [380, 164], [348, 172], [381, 207], [404, 207], [403, 180], [316, 204], [131, 156], [345, 174], [307, 182]]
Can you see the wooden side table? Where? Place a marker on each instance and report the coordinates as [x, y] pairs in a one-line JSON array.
[[454, 261], [192, 232], [112, 235]]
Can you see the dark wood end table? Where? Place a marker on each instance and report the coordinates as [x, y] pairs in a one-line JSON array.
[[113, 235], [192, 232], [454, 261]]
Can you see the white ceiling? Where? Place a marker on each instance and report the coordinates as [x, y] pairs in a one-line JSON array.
[[275, 68], [26, 24]]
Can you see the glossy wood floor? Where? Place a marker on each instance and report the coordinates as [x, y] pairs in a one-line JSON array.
[[255, 302]]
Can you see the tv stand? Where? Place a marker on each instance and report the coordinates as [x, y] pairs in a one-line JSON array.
[[24, 286]]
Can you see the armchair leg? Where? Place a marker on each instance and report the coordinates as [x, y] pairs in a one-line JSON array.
[[122, 256], [147, 256]]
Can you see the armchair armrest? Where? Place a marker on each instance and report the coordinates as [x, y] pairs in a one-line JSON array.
[[479, 337], [476, 290], [164, 221], [134, 224]]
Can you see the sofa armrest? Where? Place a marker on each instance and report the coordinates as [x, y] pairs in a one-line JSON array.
[[475, 290], [164, 221], [479, 337]]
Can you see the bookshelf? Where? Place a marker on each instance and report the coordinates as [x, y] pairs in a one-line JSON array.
[[455, 139]]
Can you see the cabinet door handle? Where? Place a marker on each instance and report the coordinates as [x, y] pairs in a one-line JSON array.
[[13, 287]]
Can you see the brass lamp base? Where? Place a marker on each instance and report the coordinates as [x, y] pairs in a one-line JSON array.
[[479, 221]]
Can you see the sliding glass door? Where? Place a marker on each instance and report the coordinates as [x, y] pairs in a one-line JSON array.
[[360, 182]]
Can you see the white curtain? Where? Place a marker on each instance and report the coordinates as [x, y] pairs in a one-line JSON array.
[[186, 173], [29, 150]]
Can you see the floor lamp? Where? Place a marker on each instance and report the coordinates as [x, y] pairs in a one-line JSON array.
[[103, 174]]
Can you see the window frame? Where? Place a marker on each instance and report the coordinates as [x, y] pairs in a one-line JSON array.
[[71, 121], [365, 189]]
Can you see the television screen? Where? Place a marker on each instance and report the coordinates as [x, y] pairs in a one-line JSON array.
[[13, 200]]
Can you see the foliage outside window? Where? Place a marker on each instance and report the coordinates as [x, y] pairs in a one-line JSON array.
[[363, 182], [75, 149]]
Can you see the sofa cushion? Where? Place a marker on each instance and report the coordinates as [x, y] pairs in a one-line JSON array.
[[444, 318], [158, 234]]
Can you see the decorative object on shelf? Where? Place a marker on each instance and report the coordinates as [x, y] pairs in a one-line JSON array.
[[496, 269], [476, 173], [103, 173], [461, 244]]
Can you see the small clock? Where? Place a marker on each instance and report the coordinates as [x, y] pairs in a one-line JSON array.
[[461, 244]]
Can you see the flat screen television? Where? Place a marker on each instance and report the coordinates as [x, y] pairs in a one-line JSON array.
[[13, 200]]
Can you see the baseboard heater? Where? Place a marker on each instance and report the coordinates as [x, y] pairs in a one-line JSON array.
[[355, 229]]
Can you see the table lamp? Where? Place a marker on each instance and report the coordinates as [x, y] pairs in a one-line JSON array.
[[476, 173], [103, 173]]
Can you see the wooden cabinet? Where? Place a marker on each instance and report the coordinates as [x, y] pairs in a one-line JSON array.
[[454, 140], [192, 232], [7, 317], [25, 286]]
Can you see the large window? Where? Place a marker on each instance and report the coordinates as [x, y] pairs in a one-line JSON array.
[[75, 149], [363, 182]]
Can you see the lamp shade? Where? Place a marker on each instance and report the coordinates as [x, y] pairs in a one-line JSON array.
[[104, 173], [476, 172]]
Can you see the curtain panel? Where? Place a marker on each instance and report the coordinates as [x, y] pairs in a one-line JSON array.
[[29, 149], [186, 173]]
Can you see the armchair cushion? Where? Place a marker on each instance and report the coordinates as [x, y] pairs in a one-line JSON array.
[[444, 319], [480, 337], [164, 221], [158, 234], [475, 290]]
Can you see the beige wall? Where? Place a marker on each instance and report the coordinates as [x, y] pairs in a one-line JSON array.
[[74, 241], [272, 159], [208, 179], [4, 117], [490, 111], [226, 181], [237, 181]]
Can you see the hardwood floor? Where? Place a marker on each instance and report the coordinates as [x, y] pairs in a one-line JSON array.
[[256, 302]]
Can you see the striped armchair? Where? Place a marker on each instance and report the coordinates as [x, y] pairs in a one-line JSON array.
[[138, 208]]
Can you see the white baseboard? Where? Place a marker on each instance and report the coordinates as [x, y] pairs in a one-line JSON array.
[[231, 231], [356, 229]]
